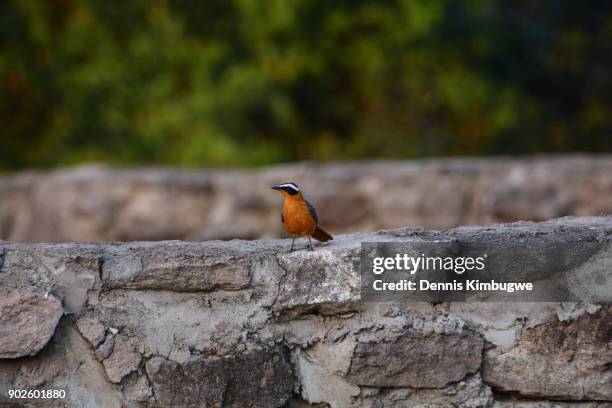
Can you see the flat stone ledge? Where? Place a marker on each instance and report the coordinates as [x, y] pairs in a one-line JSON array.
[[245, 323]]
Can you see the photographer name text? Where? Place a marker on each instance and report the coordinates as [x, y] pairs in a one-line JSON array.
[[411, 265]]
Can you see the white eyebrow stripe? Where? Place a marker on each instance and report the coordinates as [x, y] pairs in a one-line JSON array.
[[290, 185]]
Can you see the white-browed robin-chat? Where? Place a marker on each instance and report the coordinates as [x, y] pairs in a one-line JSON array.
[[298, 216]]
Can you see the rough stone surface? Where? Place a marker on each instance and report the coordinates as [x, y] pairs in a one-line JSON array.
[[103, 204], [317, 279], [251, 379], [92, 329], [104, 350], [180, 267], [466, 393], [246, 324], [124, 359], [416, 361], [27, 322], [66, 363], [567, 360]]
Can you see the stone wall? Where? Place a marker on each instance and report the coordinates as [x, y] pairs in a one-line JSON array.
[[103, 204], [246, 324]]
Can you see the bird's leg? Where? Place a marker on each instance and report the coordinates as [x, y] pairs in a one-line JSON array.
[[292, 242], [310, 244]]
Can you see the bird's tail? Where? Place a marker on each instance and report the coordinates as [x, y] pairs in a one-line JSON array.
[[320, 235]]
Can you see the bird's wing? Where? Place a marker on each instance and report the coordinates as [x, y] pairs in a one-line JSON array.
[[313, 212], [282, 218]]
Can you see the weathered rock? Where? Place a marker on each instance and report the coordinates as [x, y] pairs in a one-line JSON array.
[[565, 360], [138, 388], [252, 379], [106, 348], [181, 267], [124, 359], [92, 329], [322, 370], [298, 403], [313, 279], [68, 271], [27, 322], [519, 403], [416, 361], [290, 329], [469, 393], [65, 364]]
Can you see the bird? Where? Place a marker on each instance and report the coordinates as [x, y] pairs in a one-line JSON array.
[[298, 216]]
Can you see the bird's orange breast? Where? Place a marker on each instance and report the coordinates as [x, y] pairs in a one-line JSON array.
[[297, 218]]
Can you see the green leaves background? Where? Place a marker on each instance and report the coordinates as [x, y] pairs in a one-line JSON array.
[[241, 83]]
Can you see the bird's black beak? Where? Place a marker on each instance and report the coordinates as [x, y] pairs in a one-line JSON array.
[[275, 188]]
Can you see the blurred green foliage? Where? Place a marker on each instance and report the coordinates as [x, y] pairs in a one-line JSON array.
[[240, 82]]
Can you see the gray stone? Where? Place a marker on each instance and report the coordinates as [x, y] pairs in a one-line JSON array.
[[92, 329], [106, 348], [251, 379], [179, 267], [416, 361], [68, 271], [137, 388], [65, 364], [565, 360], [27, 322], [470, 393], [518, 403], [124, 359], [244, 323], [318, 278]]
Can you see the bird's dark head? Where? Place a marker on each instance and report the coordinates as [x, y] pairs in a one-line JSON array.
[[287, 189]]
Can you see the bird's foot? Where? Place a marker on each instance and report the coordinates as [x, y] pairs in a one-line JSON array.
[[292, 242]]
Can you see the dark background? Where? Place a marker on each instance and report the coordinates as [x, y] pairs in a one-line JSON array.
[[240, 83]]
